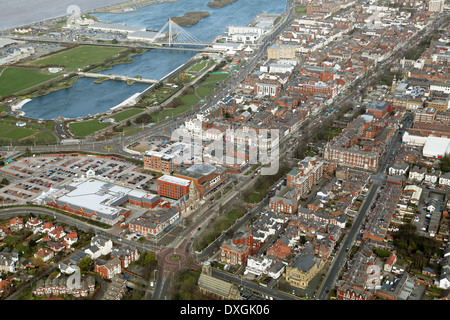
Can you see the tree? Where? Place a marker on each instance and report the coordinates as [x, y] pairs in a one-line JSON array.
[[445, 164], [144, 118], [86, 264], [150, 258], [4, 182]]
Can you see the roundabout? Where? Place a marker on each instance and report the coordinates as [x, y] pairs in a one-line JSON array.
[[175, 258], [108, 148]]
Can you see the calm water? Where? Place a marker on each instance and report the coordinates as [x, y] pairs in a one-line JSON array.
[[153, 64], [85, 97], [240, 12]]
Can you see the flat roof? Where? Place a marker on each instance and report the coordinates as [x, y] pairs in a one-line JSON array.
[[149, 35], [159, 154], [436, 146], [115, 27], [98, 195], [6, 41], [175, 180]]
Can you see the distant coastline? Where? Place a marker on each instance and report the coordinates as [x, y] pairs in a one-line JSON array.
[[190, 18], [131, 6], [220, 3]]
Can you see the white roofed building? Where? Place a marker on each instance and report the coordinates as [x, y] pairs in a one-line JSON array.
[[97, 199]]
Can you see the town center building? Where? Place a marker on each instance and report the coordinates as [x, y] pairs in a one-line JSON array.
[[97, 199]]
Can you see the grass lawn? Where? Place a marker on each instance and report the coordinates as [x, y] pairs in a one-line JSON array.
[[45, 137], [132, 130], [126, 114], [204, 91], [77, 57], [5, 126], [32, 132], [85, 128], [169, 112], [13, 80], [189, 99], [300, 11], [198, 66], [255, 197], [212, 78], [17, 133]]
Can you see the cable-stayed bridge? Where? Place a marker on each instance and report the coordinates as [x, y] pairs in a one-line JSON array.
[[173, 35]]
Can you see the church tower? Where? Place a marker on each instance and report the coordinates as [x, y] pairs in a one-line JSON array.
[[394, 84], [206, 268], [194, 196]]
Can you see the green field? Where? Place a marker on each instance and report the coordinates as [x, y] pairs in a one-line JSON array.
[[170, 112], [188, 101], [31, 133], [300, 11], [198, 66], [212, 78], [125, 114], [5, 126], [77, 57], [13, 79], [18, 133], [85, 128]]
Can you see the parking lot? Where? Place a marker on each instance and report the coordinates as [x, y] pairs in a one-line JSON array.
[[29, 177]]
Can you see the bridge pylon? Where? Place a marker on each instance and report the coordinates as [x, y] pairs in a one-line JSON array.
[[176, 34]]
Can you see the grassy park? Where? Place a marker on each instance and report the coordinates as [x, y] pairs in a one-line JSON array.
[[14, 79], [125, 114], [85, 128], [300, 11], [34, 73], [31, 133], [77, 57], [198, 66]]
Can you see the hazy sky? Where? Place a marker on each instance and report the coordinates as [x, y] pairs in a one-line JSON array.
[[15, 13]]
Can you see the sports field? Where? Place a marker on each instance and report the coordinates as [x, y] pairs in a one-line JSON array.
[[77, 57], [13, 79]]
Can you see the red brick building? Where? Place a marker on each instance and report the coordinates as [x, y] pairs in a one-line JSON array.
[[160, 162], [237, 250], [172, 187], [108, 269]]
